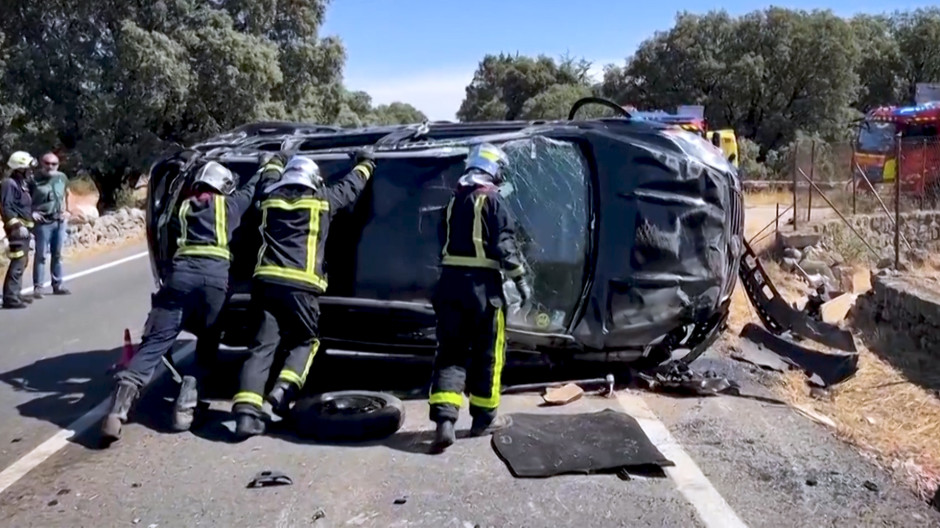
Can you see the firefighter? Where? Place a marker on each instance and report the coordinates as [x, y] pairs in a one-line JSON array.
[[479, 248], [196, 287], [288, 279], [16, 209]]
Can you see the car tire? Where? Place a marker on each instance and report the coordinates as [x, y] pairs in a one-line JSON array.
[[348, 416]]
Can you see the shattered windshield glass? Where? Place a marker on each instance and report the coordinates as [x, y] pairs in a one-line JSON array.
[[389, 247], [547, 189]]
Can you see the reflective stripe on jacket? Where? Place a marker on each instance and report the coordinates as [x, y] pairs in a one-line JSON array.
[[16, 205], [480, 232], [207, 222], [295, 223]]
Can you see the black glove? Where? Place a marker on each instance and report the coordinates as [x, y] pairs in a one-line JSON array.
[[365, 156], [524, 289]]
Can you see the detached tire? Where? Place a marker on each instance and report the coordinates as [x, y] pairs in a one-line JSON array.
[[348, 416]]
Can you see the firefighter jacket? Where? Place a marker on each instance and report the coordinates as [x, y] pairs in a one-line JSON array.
[[479, 231], [207, 221], [295, 223], [15, 204]]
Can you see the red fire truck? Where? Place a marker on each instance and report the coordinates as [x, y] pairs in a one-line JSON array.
[[876, 147]]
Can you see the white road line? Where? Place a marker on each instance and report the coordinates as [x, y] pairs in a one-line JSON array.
[[89, 271], [40, 454], [711, 507]]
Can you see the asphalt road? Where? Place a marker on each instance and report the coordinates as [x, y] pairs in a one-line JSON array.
[[739, 461]]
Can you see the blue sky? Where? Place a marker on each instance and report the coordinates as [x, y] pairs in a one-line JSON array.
[[424, 52]]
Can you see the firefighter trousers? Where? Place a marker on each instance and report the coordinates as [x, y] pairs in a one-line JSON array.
[[13, 282], [287, 322], [471, 335], [184, 297]]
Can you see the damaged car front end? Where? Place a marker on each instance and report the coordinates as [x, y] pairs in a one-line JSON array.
[[633, 233]]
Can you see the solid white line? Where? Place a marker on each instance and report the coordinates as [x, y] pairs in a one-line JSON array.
[[711, 507], [89, 271], [40, 454]]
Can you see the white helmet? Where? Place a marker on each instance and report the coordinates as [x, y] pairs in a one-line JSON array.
[[300, 170], [21, 160], [217, 176]]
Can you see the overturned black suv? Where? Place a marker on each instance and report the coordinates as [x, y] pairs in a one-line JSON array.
[[632, 230]]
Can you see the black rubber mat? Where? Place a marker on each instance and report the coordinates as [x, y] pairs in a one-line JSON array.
[[543, 445]]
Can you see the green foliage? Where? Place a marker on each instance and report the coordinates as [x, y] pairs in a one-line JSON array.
[[113, 84], [748, 165], [776, 76], [504, 84]]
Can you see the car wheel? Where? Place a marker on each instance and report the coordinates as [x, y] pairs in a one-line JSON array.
[[348, 415]]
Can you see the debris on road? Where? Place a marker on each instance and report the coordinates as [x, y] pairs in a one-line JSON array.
[[269, 478], [815, 416], [678, 378], [606, 385], [825, 369], [318, 514], [544, 445], [563, 395], [750, 352], [401, 500], [870, 486]]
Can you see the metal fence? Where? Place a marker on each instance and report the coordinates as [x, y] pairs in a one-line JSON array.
[[838, 180]]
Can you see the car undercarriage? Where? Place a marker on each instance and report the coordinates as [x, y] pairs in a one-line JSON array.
[[633, 232]]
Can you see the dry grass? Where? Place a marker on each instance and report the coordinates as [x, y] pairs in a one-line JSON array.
[[768, 198], [891, 418], [894, 421]]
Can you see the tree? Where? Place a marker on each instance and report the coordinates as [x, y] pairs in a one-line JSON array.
[[766, 74], [394, 114], [555, 102], [879, 65], [918, 39], [113, 83], [503, 84]]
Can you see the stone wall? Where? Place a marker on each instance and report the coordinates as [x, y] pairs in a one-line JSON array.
[[86, 231], [758, 186], [921, 229], [906, 305]]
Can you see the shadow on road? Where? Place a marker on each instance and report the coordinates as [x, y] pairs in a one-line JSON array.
[[408, 381], [65, 387]]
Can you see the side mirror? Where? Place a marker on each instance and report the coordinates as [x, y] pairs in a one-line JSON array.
[[732, 157]]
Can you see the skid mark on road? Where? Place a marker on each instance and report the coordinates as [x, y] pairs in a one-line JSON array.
[[12, 474], [711, 507]]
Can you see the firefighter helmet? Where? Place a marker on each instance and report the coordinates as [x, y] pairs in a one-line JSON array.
[[217, 176], [488, 158], [20, 160]]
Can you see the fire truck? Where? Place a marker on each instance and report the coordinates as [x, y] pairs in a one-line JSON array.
[[876, 146]]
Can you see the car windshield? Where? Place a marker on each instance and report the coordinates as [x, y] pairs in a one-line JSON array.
[[876, 137]]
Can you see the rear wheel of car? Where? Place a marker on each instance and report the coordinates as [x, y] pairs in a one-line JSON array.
[[348, 416]]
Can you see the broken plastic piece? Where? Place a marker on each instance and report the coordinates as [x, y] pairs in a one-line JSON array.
[[680, 379], [563, 395], [824, 369], [270, 478]]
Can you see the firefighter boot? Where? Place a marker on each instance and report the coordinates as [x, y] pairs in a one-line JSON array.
[[248, 422], [445, 436], [122, 399], [184, 409], [486, 425], [281, 397]]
